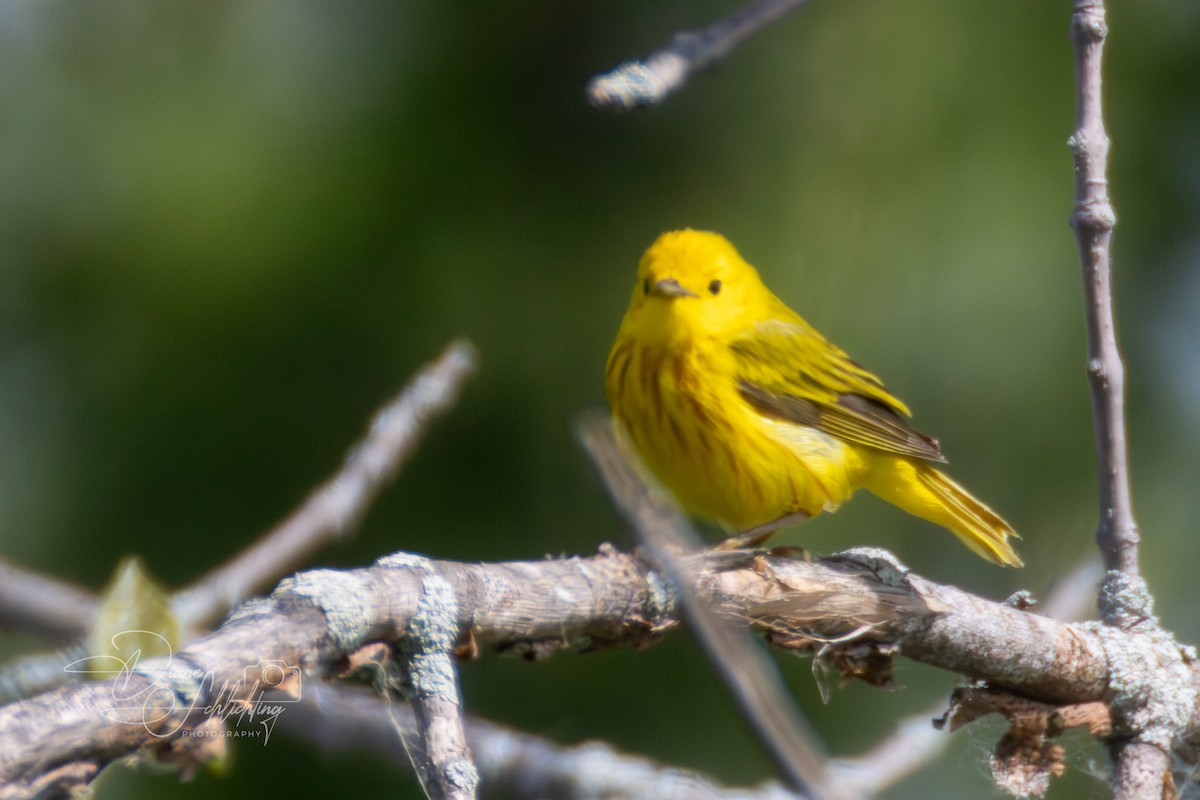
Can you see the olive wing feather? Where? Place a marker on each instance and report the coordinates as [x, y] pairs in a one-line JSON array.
[[789, 371]]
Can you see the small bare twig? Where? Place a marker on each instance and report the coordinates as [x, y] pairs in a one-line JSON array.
[[336, 507], [636, 84], [752, 679], [1028, 755]]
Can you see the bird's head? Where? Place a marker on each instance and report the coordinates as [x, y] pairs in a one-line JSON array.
[[694, 282]]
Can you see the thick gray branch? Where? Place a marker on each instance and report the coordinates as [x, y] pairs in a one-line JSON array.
[[318, 618]]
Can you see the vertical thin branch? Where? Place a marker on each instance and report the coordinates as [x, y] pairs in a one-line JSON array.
[[1140, 767], [1093, 221]]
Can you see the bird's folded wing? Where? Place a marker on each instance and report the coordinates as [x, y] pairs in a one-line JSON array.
[[789, 371]]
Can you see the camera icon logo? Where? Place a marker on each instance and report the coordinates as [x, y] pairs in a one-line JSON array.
[[273, 673]]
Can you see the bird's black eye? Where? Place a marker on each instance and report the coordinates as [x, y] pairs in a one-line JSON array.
[[645, 285], [714, 287]]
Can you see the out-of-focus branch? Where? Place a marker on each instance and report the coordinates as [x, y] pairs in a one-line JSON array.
[[55, 609], [916, 742], [336, 507], [751, 678], [636, 84], [45, 606], [36, 673], [1070, 598], [58, 610], [511, 764]]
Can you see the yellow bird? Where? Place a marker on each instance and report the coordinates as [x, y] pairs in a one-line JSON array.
[[754, 419]]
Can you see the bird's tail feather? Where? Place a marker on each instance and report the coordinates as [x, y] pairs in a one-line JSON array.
[[922, 490]]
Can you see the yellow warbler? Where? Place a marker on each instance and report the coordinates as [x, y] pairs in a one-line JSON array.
[[753, 418]]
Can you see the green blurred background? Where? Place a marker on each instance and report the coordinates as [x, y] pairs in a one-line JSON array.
[[229, 231]]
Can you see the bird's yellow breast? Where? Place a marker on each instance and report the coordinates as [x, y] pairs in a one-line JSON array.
[[722, 459]]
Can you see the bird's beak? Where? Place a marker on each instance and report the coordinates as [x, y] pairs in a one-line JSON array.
[[669, 287]]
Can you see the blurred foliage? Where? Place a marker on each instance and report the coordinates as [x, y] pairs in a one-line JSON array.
[[228, 231]]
